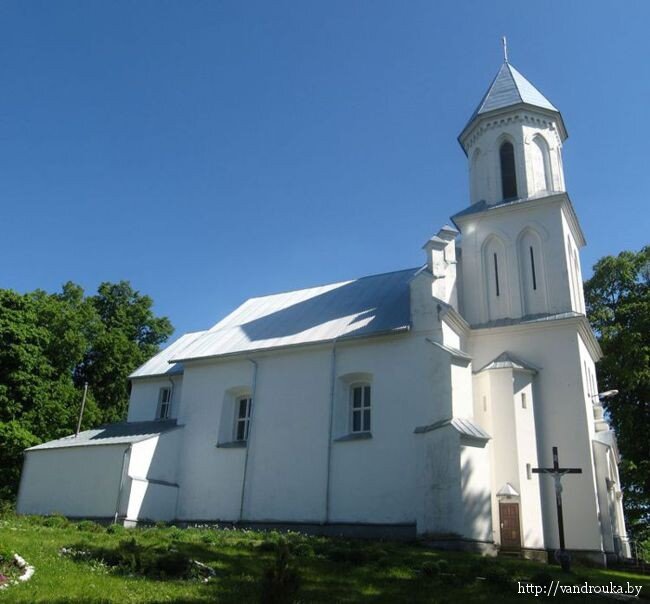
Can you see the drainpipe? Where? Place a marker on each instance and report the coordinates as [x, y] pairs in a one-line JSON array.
[[127, 451], [329, 434], [249, 439]]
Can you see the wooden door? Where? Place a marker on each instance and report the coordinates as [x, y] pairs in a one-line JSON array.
[[510, 532]]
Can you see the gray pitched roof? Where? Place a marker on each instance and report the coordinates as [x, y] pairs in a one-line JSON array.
[[510, 88], [112, 434], [362, 307], [465, 427], [507, 360]]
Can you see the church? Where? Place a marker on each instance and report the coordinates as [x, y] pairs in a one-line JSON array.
[[417, 403]]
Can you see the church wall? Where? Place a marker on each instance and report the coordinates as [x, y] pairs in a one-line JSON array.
[[438, 501], [210, 479], [143, 402], [286, 475], [74, 481], [476, 491], [560, 419], [528, 487], [605, 498], [545, 222], [372, 480]]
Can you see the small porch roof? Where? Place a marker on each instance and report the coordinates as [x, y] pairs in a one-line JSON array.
[[111, 434]]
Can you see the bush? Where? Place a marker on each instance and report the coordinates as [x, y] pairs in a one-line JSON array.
[[430, 569], [88, 526], [281, 580], [497, 575], [56, 521], [115, 529]]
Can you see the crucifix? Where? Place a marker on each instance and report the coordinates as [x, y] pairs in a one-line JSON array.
[[557, 472]]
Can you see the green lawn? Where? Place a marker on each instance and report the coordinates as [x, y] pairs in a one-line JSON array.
[[330, 570]]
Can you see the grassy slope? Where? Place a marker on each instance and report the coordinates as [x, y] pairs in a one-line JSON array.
[[239, 557]]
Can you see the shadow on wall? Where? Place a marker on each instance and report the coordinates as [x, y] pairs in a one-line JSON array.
[[375, 303], [477, 499]]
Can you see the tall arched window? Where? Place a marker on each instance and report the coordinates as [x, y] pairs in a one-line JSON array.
[[541, 164], [508, 174], [531, 270], [475, 177], [496, 278]]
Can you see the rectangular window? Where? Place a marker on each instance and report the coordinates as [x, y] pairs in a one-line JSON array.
[[360, 408], [523, 400], [485, 403], [496, 273], [164, 403], [242, 418], [532, 267], [529, 471]]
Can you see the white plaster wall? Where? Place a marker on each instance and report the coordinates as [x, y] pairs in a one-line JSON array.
[[544, 218], [438, 502], [560, 418], [519, 127], [151, 501], [74, 481], [157, 457], [476, 491], [210, 479], [143, 402], [530, 513], [372, 480], [288, 443], [462, 396], [605, 498]]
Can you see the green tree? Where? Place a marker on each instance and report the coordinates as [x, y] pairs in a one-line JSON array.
[[618, 305], [50, 344], [130, 334]]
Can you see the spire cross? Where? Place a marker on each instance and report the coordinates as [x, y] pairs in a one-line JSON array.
[[557, 472], [504, 41]]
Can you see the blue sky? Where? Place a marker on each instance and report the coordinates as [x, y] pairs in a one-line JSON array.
[[213, 151]]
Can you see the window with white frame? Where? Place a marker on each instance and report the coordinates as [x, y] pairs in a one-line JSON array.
[[243, 407], [164, 403], [360, 408]]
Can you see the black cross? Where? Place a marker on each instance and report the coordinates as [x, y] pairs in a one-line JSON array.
[[557, 472]]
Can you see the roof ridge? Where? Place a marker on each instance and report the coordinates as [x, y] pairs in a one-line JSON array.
[[300, 289]]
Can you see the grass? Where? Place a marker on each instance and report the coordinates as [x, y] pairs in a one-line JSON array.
[[255, 566]]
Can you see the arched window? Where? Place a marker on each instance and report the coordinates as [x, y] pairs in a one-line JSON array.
[[531, 268], [496, 278], [475, 177], [508, 174], [541, 165]]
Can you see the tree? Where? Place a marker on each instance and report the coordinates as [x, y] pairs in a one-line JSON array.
[[618, 305], [50, 344]]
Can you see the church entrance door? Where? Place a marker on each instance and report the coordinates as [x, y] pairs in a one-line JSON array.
[[510, 531]]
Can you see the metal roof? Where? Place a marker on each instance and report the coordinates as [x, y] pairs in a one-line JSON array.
[[362, 307], [160, 365], [508, 361], [112, 434], [510, 88], [507, 490], [465, 427]]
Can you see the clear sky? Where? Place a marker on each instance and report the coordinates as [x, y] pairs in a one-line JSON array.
[[213, 151]]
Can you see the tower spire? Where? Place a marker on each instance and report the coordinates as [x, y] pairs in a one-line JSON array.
[[504, 41]]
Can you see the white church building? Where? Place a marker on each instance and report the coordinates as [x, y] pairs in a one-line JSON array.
[[412, 403]]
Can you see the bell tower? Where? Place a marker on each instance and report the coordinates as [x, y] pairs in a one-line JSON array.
[[520, 234], [513, 142]]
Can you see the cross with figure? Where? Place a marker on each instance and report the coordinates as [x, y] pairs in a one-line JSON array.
[[557, 472]]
